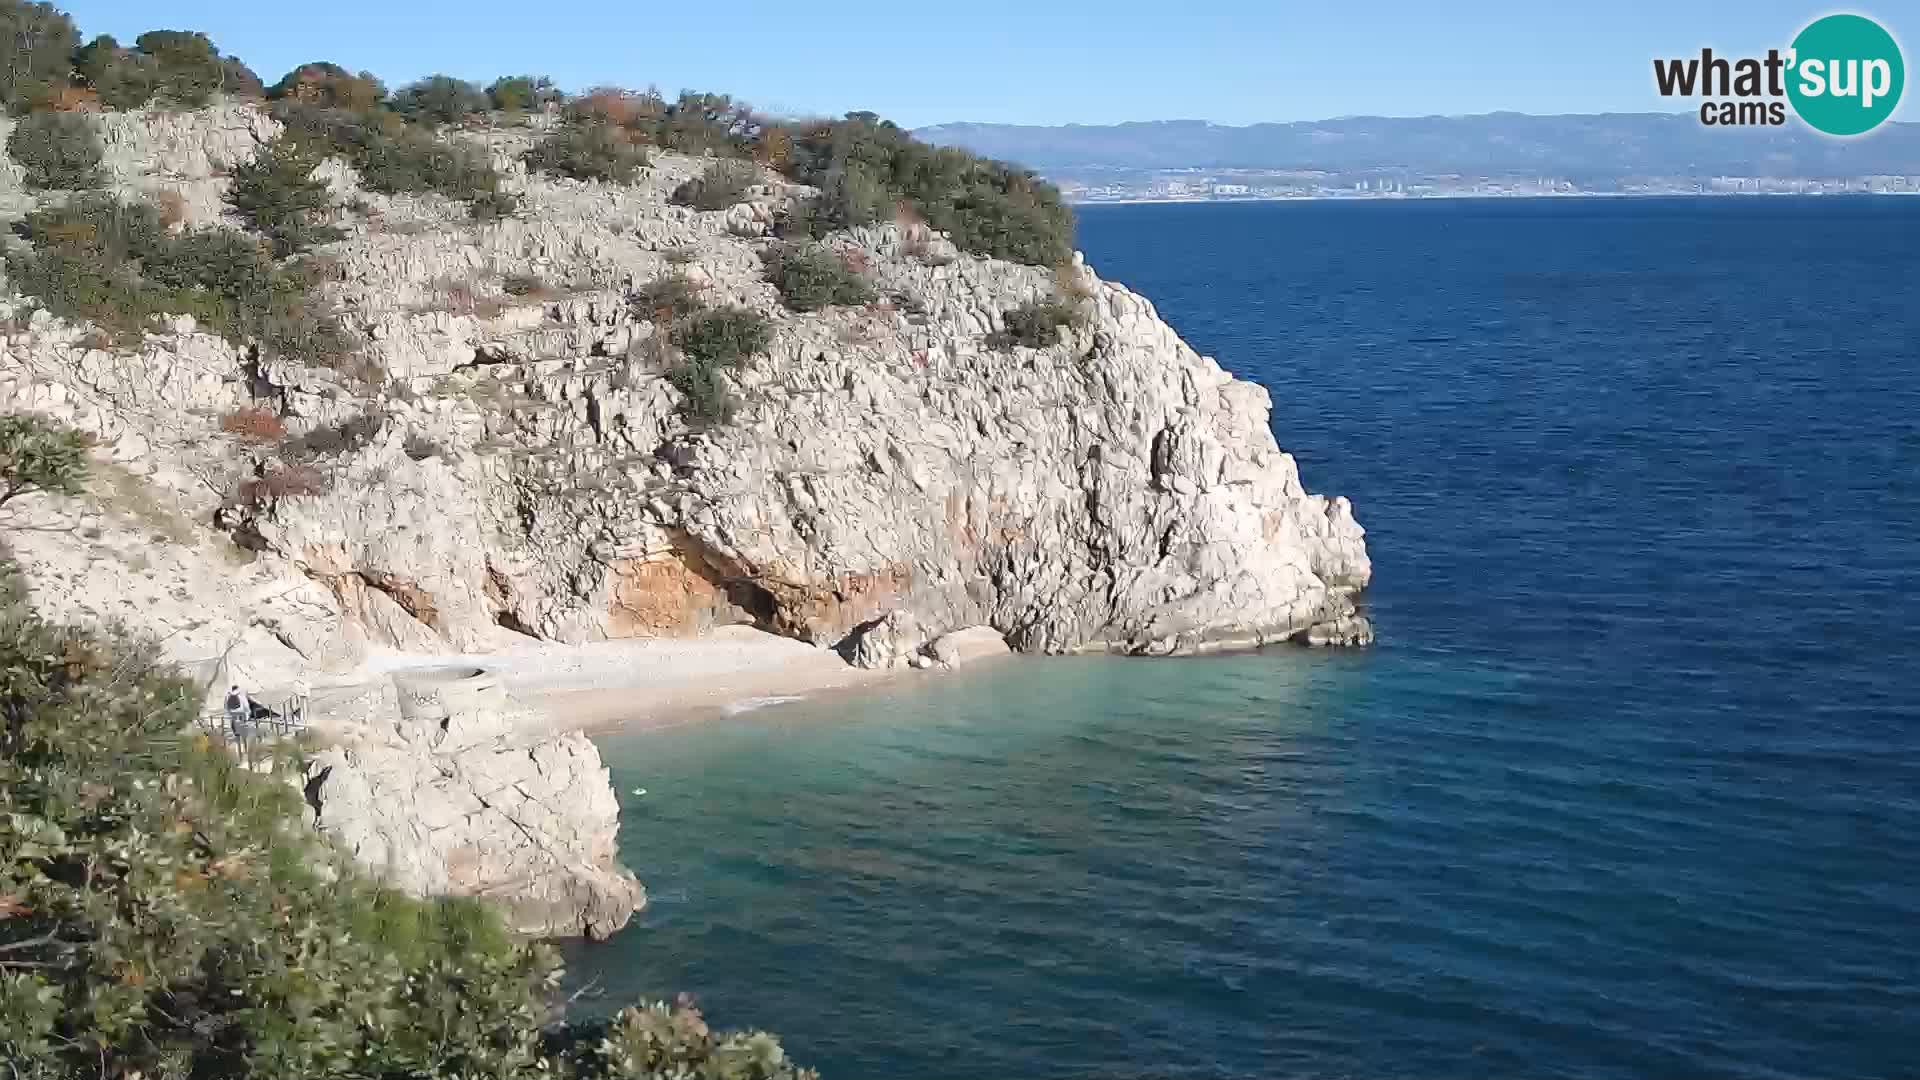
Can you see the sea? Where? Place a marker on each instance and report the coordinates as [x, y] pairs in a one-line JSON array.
[[1628, 788]]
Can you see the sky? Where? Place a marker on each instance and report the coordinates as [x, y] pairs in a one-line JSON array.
[[1038, 62]]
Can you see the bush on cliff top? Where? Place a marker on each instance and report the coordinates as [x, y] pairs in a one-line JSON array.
[[439, 99], [41, 39], [179, 68], [166, 913], [523, 93], [864, 165], [391, 155], [694, 123], [327, 85]]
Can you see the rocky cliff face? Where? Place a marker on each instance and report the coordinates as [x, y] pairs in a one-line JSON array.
[[526, 469]]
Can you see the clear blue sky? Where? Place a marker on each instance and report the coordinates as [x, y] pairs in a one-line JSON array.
[[1039, 62]]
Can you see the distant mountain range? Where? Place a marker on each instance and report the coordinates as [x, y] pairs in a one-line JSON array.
[[1583, 149]]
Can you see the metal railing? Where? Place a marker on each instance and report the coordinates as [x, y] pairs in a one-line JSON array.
[[289, 719]]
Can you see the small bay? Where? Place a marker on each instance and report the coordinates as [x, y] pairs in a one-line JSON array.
[[1629, 787]]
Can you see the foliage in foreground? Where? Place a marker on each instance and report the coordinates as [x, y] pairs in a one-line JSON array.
[[164, 913]]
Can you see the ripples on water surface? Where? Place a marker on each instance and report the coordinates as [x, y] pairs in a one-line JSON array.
[[1630, 788]]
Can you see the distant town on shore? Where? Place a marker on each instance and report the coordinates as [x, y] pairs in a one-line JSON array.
[[1493, 155], [1241, 185]]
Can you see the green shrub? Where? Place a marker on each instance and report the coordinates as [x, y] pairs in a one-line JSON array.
[[239, 80], [328, 86], [190, 71], [523, 93], [179, 67], [74, 287], [391, 155], [38, 455], [169, 914], [666, 299], [296, 328], [719, 186], [416, 161], [588, 150], [40, 40], [1035, 324], [439, 99], [96, 226], [84, 261], [863, 165], [113, 264], [811, 277], [277, 194], [219, 260], [525, 285], [58, 150], [120, 78], [710, 343], [702, 123]]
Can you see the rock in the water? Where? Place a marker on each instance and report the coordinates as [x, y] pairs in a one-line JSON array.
[[966, 645], [889, 641], [1351, 630]]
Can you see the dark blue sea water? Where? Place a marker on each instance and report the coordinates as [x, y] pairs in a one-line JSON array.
[[1629, 788]]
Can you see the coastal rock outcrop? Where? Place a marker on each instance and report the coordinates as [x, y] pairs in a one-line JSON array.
[[443, 795]]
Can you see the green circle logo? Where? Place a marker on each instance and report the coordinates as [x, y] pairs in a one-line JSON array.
[[1846, 75]]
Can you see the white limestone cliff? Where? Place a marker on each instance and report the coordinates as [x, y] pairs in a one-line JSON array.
[[886, 478]]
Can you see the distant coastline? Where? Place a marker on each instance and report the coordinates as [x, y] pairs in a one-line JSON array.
[[1468, 195]]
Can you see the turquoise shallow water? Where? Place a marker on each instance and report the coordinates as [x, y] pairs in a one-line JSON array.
[[1628, 789]]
